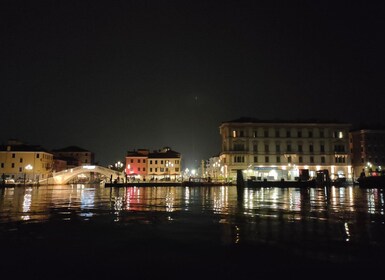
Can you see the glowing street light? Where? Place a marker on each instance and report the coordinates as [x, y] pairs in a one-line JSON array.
[[28, 169], [118, 165]]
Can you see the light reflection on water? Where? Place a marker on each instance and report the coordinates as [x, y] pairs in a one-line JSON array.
[[267, 215]]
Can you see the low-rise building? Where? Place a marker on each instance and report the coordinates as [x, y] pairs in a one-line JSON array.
[[74, 156], [25, 163], [163, 164]]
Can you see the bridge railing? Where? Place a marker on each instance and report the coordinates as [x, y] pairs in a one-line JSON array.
[[64, 176]]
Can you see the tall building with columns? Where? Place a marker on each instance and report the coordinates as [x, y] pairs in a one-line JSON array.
[[275, 150]]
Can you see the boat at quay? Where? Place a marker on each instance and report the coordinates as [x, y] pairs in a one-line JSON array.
[[310, 183], [282, 184], [372, 182], [191, 183]]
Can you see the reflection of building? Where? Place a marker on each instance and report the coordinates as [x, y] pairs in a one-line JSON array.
[[161, 164], [74, 156], [368, 150], [25, 163], [275, 150]]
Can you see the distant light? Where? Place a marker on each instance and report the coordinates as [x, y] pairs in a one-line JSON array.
[[29, 167], [89, 166], [273, 173]]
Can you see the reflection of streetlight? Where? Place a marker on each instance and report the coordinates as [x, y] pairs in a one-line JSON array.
[[28, 168]]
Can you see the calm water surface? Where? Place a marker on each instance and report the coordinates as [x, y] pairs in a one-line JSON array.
[[331, 226]]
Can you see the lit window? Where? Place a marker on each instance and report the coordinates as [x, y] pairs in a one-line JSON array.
[[340, 134]]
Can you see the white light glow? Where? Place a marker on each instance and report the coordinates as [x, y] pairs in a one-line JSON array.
[[29, 167], [90, 167]]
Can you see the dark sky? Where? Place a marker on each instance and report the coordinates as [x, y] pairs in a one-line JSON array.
[[112, 76]]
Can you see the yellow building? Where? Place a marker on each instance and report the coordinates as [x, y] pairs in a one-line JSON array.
[[25, 163], [282, 150], [164, 164]]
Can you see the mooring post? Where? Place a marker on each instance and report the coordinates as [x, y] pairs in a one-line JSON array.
[[240, 184]]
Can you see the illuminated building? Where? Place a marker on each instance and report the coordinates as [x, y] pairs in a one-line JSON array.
[[25, 163], [74, 156], [163, 164], [368, 150], [285, 150]]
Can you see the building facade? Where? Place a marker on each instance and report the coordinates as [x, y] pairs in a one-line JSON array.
[[368, 151], [163, 164], [25, 163], [283, 150], [136, 163], [214, 169], [74, 156]]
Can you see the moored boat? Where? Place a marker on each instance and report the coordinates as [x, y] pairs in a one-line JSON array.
[[280, 184], [372, 182]]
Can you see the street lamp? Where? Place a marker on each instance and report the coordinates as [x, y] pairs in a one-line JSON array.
[[172, 167], [169, 166], [118, 165], [28, 169]]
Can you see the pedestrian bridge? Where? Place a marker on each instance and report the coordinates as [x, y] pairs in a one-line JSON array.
[[65, 176]]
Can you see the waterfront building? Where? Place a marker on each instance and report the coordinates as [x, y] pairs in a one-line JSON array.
[[25, 163], [288, 150], [368, 151], [136, 163], [163, 164], [74, 156], [215, 169], [59, 164]]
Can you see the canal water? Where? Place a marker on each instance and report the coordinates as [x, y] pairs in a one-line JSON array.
[[88, 231]]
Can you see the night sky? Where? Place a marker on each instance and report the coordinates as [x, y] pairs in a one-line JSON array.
[[112, 76]]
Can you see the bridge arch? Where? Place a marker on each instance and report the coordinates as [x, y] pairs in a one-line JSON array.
[[65, 176]]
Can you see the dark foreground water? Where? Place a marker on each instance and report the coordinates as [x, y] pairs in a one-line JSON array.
[[89, 232]]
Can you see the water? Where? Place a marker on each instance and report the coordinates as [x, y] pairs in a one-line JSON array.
[[188, 232]]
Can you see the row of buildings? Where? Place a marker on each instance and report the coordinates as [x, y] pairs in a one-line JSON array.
[[271, 150], [20, 162], [274, 150]]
